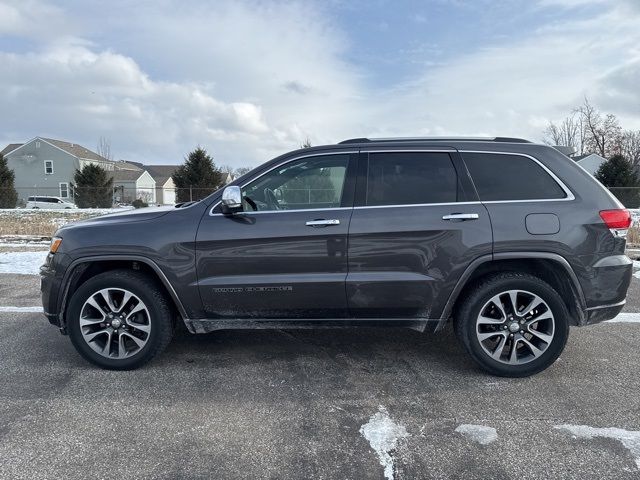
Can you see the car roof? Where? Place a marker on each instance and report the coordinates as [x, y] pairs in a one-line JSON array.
[[433, 139]]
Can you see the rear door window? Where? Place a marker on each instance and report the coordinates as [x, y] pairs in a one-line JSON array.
[[504, 177], [411, 178]]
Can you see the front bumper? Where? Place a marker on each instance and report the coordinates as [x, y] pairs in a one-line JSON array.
[[50, 284]]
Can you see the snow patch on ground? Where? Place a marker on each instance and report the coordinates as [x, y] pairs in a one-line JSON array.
[[478, 433], [629, 438], [625, 317], [636, 264], [383, 435], [21, 310], [24, 263]]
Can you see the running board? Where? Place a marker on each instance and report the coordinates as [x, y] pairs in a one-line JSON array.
[[211, 325]]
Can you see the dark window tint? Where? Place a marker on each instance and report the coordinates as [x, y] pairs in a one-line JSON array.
[[510, 177], [411, 178]]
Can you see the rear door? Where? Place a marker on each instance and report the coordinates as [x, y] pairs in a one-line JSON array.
[[416, 226]]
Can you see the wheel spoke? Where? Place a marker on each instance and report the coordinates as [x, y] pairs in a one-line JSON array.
[[534, 350], [139, 326], [499, 350], [485, 336], [536, 301], [122, 350], [482, 320], [108, 299], [545, 337], [513, 298], [106, 351], [91, 336], [138, 308], [530, 322], [497, 301], [92, 301], [125, 299], [138, 342], [513, 352], [84, 322]]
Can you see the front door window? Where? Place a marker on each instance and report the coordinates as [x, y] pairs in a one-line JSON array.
[[308, 183]]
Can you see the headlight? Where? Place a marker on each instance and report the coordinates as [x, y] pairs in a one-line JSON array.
[[55, 244]]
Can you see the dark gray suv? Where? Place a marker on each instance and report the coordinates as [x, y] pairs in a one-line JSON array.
[[511, 240]]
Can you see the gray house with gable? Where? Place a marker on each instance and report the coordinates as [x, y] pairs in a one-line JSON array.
[[44, 166]]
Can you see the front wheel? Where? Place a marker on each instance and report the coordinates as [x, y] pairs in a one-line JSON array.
[[513, 324], [119, 320]]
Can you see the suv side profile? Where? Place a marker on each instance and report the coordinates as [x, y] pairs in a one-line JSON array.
[[511, 241]]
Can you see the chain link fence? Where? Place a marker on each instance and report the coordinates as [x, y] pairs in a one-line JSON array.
[[65, 196]]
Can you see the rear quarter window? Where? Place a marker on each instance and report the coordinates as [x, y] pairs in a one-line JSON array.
[[502, 177]]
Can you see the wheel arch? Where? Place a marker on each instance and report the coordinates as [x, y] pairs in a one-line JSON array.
[[84, 268], [550, 267]]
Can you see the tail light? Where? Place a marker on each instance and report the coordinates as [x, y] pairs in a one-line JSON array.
[[618, 221]]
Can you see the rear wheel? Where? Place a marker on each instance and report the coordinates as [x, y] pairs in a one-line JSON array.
[[119, 320], [513, 324]]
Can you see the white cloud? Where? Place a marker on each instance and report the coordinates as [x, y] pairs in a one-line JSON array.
[[250, 80]]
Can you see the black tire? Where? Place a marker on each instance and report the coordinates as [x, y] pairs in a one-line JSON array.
[[467, 313], [160, 317]]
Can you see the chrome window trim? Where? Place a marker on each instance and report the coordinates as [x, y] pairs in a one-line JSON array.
[[284, 162], [567, 191], [569, 194], [444, 204]]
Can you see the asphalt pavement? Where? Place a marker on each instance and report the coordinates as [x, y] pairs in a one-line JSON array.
[[290, 404]]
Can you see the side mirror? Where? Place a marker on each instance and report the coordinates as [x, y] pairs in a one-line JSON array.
[[231, 200]]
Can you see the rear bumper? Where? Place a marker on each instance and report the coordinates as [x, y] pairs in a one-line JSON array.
[[605, 286], [603, 313]]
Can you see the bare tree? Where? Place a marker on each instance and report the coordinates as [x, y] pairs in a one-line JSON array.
[[568, 133], [104, 148], [630, 147], [306, 143], [603, 134], [241, 171]]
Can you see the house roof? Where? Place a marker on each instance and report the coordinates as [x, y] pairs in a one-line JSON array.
[[122, 165], [594, 155], [10, 148], [161, 173], [76, 150], [126, 175]]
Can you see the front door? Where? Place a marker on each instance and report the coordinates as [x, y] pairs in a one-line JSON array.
[[285, 254], [416, 226]]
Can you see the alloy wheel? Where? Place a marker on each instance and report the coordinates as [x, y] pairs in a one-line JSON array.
[[115, 323], [515, 327]]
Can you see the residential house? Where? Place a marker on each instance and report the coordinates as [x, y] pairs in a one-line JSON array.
[[131, 182], [165, 188], [45, 166], [590, 162]]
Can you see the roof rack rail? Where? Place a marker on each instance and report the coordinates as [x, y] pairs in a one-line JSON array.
[[438, 139]]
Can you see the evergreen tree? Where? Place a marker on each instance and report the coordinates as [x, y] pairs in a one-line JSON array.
[[197, 178], [618, 172], [8, 194], [93, 187]]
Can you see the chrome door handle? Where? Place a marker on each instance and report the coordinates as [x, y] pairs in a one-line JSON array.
[[322, 223], [461, 216]]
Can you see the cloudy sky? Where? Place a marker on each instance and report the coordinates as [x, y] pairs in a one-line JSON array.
[[249, 80]]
